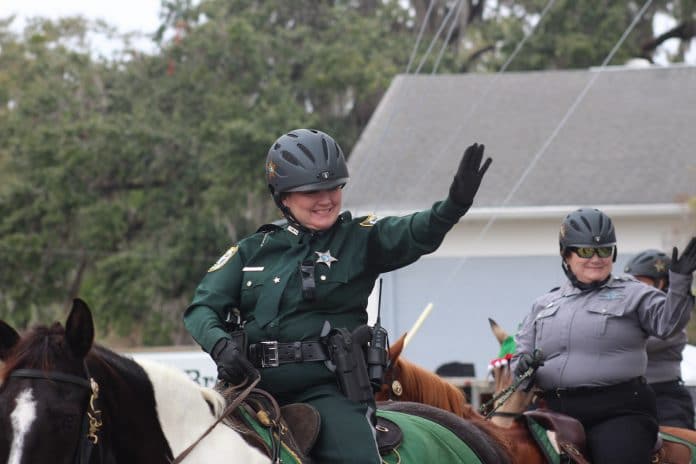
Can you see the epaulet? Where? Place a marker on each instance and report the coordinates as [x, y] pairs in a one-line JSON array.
[[369, 220], [268, 228]]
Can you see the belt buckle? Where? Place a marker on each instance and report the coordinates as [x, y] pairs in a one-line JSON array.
[[269, 354]]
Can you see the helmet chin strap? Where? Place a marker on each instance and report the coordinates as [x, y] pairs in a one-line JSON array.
[[291, 218], [581, 285]]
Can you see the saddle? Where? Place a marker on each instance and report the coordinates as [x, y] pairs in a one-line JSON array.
[[293, 429], [570, 439], [285, 434]]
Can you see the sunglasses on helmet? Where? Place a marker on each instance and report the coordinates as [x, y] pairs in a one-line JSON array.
[[588, 252]]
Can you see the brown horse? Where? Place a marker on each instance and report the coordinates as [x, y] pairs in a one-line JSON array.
[[406, 381]]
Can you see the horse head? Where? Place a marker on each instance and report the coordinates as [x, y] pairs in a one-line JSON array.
[[45, 390], [52, 407], [406, 381]]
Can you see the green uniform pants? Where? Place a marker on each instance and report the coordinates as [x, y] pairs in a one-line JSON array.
[[346, 434]]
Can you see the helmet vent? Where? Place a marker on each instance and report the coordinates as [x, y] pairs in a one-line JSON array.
[[290, 158], [586, 222], [601, 222], [293, 135], [575, 225], [306, 151], [338, 150], [325, 148]]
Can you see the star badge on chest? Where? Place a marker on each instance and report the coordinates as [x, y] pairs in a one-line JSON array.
[[325, 257]]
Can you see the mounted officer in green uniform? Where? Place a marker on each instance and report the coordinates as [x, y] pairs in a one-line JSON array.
[[299, 291]]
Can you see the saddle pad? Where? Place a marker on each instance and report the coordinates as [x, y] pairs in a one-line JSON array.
[[542, 439], [426, 441], [669, 437]]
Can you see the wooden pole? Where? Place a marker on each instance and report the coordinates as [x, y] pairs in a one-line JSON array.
[[418, 323]]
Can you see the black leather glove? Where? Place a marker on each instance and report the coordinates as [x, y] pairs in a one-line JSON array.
[[233, 367], [469, 174], [526, 360], [686, 263]]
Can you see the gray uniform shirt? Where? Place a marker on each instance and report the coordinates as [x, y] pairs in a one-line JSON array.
[[664, 357], [598, 337]]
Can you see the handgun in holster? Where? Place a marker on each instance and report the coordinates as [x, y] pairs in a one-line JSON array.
[[347, 360], [235, 327]]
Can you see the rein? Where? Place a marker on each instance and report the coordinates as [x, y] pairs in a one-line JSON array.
[[92, 422], [231, 407], [488, 409]]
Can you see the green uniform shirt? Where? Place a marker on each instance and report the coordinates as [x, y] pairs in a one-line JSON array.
[[261, 277]]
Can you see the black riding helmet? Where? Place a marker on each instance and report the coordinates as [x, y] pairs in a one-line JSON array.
[[586, 227], [649, 263], [304, 160]]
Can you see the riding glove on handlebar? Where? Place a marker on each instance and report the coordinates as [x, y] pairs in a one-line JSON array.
[[686, 263], [232, 365], [469, 174]]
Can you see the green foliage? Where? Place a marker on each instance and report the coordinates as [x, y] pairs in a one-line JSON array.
[[122, 179]]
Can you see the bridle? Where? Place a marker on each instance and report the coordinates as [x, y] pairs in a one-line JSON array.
[[92, 420], [391, 379]]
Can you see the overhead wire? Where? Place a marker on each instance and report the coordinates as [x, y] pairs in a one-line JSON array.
[[445, 42], [550, 138]]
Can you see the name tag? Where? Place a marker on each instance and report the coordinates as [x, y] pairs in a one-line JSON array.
[[252, 268]]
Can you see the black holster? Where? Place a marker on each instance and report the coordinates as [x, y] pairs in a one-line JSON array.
[[348, 362], [239, 338]]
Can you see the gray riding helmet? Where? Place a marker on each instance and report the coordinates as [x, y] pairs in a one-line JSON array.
[[304, 160], [649, 263], [586, 227]]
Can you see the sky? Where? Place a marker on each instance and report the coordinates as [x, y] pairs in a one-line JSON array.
[[143, 16], [125, 15]]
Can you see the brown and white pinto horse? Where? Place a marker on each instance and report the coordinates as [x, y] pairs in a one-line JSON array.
[[64, 400]]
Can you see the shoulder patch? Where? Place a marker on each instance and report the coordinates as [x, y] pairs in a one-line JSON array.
[[268, 228], [369, 221], [223, 259]]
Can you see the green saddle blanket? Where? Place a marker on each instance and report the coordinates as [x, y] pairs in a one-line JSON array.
[[423, 441], [426, 441]]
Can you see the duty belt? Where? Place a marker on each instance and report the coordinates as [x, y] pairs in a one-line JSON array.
[[273, 353]]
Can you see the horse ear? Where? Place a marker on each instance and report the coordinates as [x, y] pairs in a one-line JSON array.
[[396, 348], [8, 339], [79, 328], [500, 334]]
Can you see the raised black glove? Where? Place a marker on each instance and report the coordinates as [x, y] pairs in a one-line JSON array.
[[469, 174], [526, 360], [233, 367], [686, 263]]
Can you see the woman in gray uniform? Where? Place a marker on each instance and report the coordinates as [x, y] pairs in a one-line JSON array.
[[592, 332], [675, 407]]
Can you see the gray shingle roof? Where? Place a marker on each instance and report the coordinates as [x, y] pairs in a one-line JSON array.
[[630, 140]]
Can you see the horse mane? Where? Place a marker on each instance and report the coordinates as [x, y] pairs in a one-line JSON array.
[[422, 386], [39, 355]]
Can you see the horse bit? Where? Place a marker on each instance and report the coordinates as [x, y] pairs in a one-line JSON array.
[[92, 423]]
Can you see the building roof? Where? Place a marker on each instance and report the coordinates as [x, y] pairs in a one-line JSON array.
[[618, 136]]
